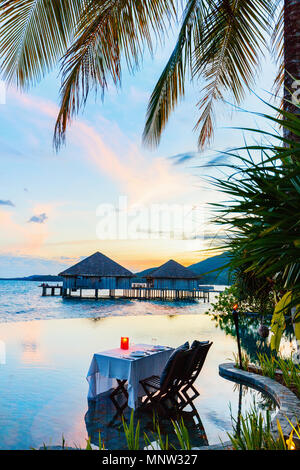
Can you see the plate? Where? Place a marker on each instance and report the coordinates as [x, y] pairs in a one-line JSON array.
[[138, 354]]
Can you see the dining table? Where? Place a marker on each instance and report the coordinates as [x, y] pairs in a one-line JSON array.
[[123, 369]]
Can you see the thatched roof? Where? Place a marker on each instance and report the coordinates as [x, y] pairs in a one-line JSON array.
[[173, 270], [97, 265]]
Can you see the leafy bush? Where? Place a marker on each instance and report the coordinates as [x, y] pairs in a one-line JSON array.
[[247, 303]]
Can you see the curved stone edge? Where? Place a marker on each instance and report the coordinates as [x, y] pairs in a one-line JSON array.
[[288, 403]]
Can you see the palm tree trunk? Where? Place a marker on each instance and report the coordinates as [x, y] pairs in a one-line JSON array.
[[291, 55]]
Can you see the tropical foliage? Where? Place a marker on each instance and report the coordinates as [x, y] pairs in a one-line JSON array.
[[90, 38], [289, 372], [219, 41], [262, 304], [254, 432], [263, 214]]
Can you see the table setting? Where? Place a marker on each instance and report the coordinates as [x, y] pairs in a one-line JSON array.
[[136, 354], [128, 364]]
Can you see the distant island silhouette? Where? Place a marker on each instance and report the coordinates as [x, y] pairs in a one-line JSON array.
[[36, 277], [205, 270]]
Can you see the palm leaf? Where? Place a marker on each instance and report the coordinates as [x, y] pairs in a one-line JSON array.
[[228, 55], [220, 41], [34, 35], [170, 86], [108, 32]]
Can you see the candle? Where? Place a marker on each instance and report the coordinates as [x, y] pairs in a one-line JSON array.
[[124, 342]]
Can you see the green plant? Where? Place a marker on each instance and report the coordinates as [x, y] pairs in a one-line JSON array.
[[263, 215], [290, 370], [296, 379], [245, 360], [287, 367], [254, 432], [182, 435], [100, 443], [132, 433], [247, 302], [268, 365], [157, 437], [224, 301]]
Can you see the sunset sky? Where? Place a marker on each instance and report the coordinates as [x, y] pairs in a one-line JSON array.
[[51, 204]]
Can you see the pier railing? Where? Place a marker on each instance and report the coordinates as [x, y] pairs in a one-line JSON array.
[[138, 293]]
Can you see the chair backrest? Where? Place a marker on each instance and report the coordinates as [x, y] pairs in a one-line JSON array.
[[186, 366], [198, 360], [179, 369]]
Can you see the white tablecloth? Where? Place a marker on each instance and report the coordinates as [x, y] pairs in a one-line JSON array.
[[108, 366]]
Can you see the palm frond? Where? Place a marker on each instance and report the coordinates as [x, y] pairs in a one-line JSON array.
[[263, 212], [108, 32], [228, 55], [170, 86], [220, 41], [34, 35]]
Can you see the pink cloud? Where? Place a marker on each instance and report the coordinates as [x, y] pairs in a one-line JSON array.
[[143, 179], [22, 238]]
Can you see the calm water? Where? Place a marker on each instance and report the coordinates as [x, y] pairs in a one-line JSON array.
[[22, 301], [50, 343]]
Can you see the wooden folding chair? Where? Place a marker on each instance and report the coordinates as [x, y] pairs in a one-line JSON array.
[[192, 374], [169, 393], [179, 381]]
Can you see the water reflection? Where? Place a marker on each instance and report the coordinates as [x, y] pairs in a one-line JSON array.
[[31, 352], [261, 402], [102, 418], [43, 395]]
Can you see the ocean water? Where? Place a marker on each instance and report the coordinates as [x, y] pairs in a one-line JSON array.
[[22, 301], [48, 344]]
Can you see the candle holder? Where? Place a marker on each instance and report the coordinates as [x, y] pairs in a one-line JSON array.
[[124, 342]]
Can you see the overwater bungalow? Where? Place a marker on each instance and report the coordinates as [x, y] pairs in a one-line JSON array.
[[172, 275], [96, 272]]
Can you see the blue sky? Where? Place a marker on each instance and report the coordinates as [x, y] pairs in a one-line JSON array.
[[49, 201]]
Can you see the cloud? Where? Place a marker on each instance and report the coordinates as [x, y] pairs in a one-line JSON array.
[[144, 179], [6, 203], [38, 219], [19, 237]]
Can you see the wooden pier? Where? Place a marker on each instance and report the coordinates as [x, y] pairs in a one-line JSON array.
[[51, 290], [140, 293]]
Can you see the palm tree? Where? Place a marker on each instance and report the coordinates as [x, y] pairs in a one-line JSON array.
[[219, 42], [291, 51]]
